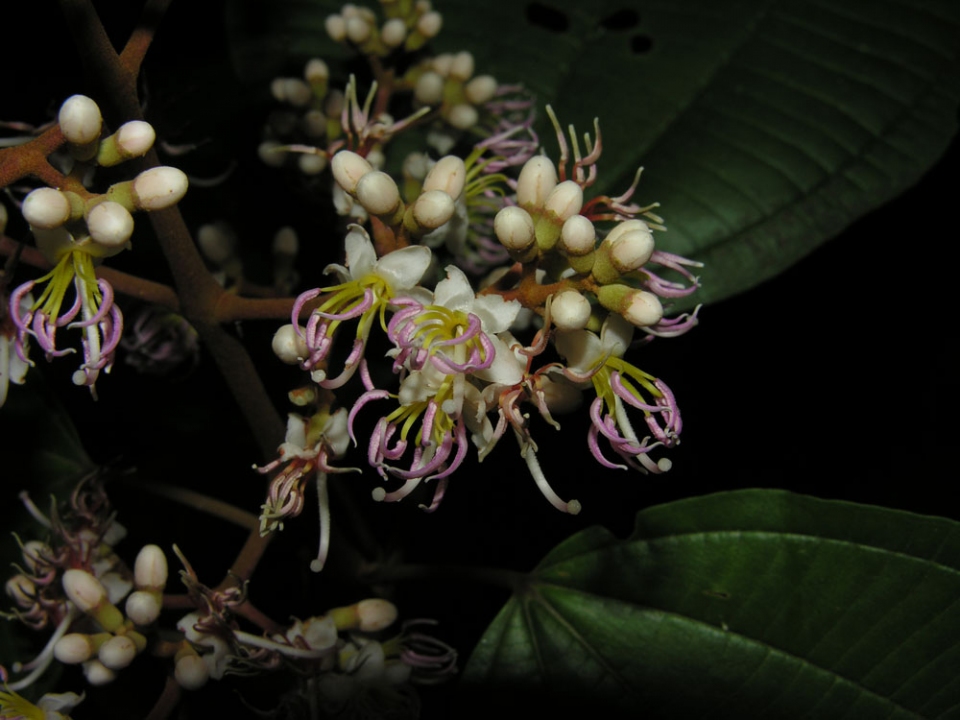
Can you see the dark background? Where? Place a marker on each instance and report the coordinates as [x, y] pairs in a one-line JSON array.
[[836, 379]]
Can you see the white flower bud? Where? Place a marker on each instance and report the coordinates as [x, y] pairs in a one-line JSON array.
[[376, 614], [394, 32], [216, 242], [480, 89], [578, 236], [159, 188], [358, 30], [310, 164], [463, 116], [142, 607], [80, 120], [375, 157], [110, 224], [269, 153], [644, 309], [429, 88], [314, 123], [462, 66], [449, 174], [46, 208], [117, 652], [336, 27], [291, 90], [73, 649], [514, 228], [289, 346], [97, 673], [378, 193], [565, 200], [150, 568], [135, 138], [442, 63], [630, 245], [538, 178], [83, 589], [429, 24], [433, 208], [191, 672], [316, 71], [416, 165], [348, 168], [286, 242], [570, 310]]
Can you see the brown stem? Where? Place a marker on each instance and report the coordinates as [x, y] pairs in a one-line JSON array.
[[167, 701]]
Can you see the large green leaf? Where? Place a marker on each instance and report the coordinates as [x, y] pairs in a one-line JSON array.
[[765, 127], [744, 604]]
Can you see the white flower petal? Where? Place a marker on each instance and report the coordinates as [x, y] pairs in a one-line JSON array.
[[506, 369], [581, 348], [496, 314], [616, 334], [403, 268], [361, 257], [455, 292]]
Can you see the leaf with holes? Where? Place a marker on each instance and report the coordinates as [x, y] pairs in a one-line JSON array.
[[753, 603], [765, 127]]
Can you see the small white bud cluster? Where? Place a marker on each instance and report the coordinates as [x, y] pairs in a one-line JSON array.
[[104, 222], [409, 30], [447, 80]]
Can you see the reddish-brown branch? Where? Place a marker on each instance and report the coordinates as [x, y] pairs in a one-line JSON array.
[[167, 701]]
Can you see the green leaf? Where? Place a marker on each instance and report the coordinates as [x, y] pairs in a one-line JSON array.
[[754, 603], [765, 127]]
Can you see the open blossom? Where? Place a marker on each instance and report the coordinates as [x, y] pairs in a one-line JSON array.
[[367, 286], [92, 309], [619, 385], [52, 706], [309, 446], [13, 367], [441, 347]]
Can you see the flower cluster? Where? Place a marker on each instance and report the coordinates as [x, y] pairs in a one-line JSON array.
[[75, 229]]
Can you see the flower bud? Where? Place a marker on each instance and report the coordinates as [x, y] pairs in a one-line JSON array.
[[291, 90], [394, 32], [159, 188], [286, 242], [290, 347], [514, 229], [336, 28], [191, 672], [80, 120], [133, 139], [270, 153], [316, 71], [216, 241], [46, 208], [358, 30], [429, 24], [142, 607], [348, 168], [314, 124], [442, 63], [368, 615], [626, 248], [432, 209], [570, 310], [73, 649], [638, 307], [462, 66], [110, 224], [449, 175], [117, 652], [481, 89], [90, 597], [565, 200], [378, 193], [538, 178], [150, 568], [462, 116], [429, 88], [578, 236], [310, 164], [97, 673]]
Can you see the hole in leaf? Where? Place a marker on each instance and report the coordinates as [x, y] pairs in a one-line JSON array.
[[623, 19], [640, 44], [547, 18]]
